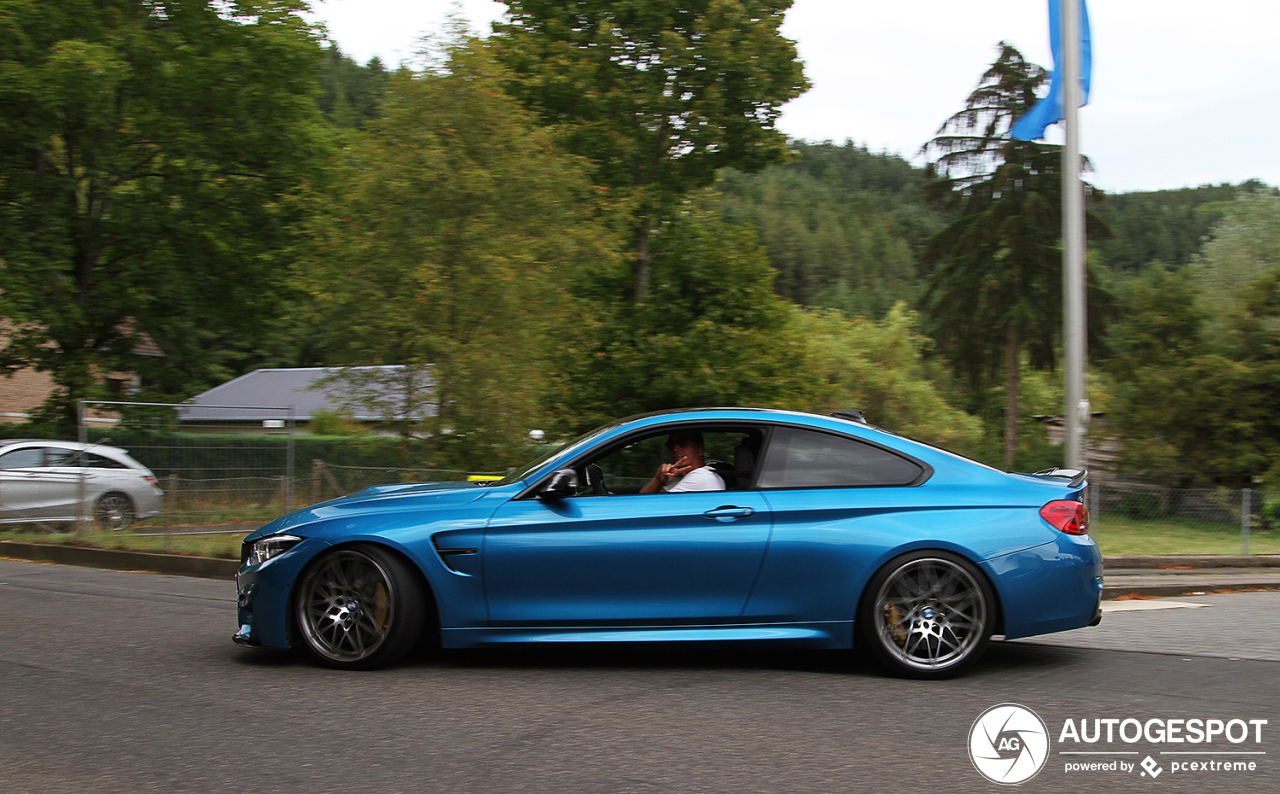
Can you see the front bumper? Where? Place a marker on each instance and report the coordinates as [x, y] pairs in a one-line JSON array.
[[263, 595]]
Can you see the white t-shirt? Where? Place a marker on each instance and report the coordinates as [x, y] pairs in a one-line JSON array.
[[703, 479]]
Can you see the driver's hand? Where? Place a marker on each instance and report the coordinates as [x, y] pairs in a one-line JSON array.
[[669, 471]]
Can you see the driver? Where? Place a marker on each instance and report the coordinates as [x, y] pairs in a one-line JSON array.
[[688, 470]]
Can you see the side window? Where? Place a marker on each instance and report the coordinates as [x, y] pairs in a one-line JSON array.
[[799, 458], [56, 456], [626, 470], [99, 462], [29, 458]]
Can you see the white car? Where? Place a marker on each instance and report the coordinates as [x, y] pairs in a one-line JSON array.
[[45, 481]]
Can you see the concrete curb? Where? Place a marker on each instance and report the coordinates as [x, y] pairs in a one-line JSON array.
[[1111, 592], [1195, 561], [116, 560]]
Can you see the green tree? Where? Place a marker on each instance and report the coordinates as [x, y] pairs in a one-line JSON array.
[[149, 153], [1243, 252], [1237, 286], [450, 250], [1196, 360], [842, 226], [1188, 412], [1167, 226], [350, 94], [659, 94], [877, 366], [709, 332], [996, 288]]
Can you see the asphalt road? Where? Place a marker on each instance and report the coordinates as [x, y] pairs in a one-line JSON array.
[[128, 682]]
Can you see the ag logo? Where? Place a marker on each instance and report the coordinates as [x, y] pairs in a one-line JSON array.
[[1008, 744]]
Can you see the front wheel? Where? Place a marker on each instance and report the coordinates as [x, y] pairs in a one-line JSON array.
[[359, 608], [927, 614]]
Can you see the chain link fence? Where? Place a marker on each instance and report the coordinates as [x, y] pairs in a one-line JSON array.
[[329, 480], [221, 468], [1200, 520]]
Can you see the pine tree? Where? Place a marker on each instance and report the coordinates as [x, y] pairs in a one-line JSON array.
[[996, 289]]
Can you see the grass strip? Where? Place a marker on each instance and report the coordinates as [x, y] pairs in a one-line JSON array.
[[1126, 536], [225, 546]]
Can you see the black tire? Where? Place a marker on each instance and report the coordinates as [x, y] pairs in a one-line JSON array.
[[113, 512], [359, 608], [926, 614]]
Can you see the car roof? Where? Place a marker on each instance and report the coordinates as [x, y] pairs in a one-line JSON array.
[[53, 442], [733, 413], [714, 408]]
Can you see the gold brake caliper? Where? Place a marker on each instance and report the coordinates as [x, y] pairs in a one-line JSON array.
[[381, 602], [894, 618]]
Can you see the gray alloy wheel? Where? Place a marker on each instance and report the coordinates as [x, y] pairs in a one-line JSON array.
[[114, 512], [927, 615], [359, 607]]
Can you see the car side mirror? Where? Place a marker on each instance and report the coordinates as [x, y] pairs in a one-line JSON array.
[[563, 483]]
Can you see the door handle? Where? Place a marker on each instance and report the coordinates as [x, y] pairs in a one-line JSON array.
[[727, 513]]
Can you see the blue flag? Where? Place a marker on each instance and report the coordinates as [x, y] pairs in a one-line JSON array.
[[1049, 109]]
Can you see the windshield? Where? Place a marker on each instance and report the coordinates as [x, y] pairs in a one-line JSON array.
[[540, 461]]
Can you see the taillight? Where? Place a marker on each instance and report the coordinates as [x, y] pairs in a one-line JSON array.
[[1066, 515], [151, 479]]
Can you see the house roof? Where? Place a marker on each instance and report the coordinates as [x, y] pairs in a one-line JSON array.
[[366, 393], [143, 344]]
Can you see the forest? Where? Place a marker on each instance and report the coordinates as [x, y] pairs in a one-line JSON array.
[[590, 213]]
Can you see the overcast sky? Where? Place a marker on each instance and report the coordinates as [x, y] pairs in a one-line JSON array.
[[1182, 93]]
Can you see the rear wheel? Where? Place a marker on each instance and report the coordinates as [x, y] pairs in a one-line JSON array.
[[359, 607], [927, 614], [113, 512]]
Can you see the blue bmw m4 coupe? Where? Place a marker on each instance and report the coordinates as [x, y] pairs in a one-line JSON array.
[[729, 524]]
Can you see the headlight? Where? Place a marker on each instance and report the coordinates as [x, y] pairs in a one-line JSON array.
[[273, 546]]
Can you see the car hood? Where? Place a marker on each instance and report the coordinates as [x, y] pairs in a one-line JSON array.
[[377, 499]]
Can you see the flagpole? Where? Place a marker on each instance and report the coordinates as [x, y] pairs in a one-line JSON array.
[[1073, 272]]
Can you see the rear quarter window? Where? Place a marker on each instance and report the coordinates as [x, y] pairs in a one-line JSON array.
[[799, 458], [100, 462]]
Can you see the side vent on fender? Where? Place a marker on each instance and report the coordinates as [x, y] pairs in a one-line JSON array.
[[447, 556]]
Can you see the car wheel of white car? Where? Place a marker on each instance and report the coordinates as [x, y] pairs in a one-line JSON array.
[[113, 512]]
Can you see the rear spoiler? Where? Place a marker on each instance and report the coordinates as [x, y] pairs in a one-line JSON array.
[[1077, 476]]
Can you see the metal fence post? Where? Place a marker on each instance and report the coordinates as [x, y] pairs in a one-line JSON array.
[[288, 464], [170, 507], [1244, 520], [82, 435]]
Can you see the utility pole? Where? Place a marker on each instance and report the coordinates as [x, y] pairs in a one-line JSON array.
[[1073, 272]]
